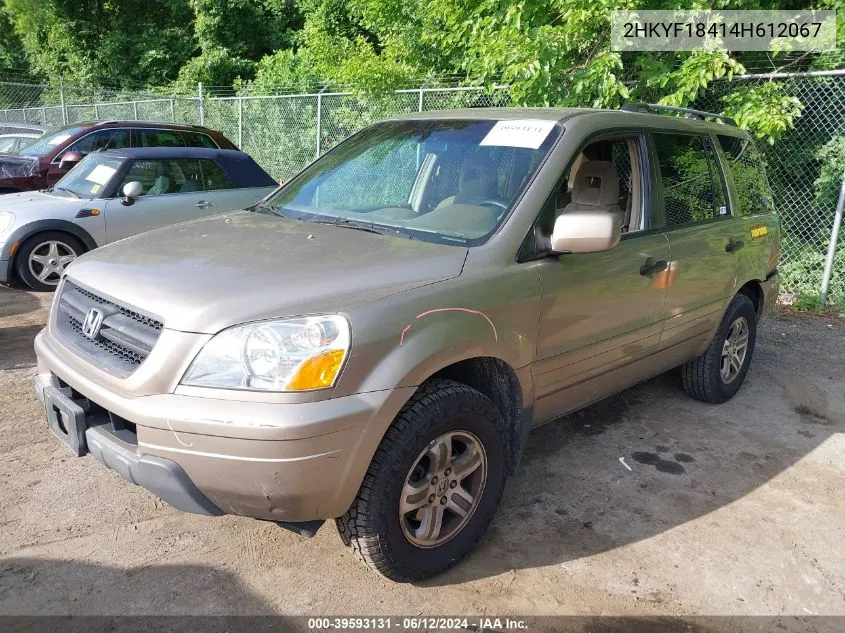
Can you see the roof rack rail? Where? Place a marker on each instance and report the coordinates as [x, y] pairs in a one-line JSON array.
[[688, 113]]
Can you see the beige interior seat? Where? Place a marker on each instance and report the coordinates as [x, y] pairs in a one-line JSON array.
[[595, 187]]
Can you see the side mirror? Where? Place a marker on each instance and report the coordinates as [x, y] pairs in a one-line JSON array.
[[69, 160], [132, 190], [586, 232]]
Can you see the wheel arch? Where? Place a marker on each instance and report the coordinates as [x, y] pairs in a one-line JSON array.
[[25, 232], [753, 289], [499, 382]]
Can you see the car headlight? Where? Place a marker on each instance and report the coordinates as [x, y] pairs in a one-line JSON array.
[[299, 354], [7, 219]]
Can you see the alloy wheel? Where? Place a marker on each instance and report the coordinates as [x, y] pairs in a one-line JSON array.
[[443, 489], [48, 260], [734, 350]]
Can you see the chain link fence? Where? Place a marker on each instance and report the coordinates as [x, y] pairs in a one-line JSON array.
[[285, 132]]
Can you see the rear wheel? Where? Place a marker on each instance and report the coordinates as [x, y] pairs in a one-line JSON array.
[[433, 485], [717, 375], [41, 260]]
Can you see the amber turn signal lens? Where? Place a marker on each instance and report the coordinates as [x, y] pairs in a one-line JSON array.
[[317, 372]]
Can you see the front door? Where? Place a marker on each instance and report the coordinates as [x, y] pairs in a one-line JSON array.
[[172, 193], [601, 311]]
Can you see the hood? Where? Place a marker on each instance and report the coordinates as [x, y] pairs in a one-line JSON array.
[[208, 274], [12, 166], [31, 204]]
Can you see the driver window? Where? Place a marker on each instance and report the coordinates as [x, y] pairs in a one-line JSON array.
[[161, 177], [113, 138], [605, 175]]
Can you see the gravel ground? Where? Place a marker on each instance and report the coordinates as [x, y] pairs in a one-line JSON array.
[[726, 510]]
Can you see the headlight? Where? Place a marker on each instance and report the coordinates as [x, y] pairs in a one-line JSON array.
[[283, 355], [7, 219]]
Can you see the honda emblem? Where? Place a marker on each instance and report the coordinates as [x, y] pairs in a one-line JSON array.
[[92, 323]]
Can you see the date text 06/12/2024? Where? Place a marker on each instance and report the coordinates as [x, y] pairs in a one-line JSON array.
[[417, 623]]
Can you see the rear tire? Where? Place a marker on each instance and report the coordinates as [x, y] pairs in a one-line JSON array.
[[461, 485], [719, 372], [41, 259]]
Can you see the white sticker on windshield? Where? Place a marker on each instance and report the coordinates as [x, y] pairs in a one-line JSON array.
[[101, 174], [528, 133], [58, 139]]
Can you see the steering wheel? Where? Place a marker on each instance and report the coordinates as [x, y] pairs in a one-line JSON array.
[[490, 202]]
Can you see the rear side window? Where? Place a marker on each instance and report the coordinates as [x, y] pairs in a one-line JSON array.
[[749, 179], [214, 176], [158, 138], [197, 139], [693, 190]]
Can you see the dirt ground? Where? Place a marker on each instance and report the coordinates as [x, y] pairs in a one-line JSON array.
[[736, 509]]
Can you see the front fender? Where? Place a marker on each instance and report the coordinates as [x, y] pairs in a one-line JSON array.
[[403, 340], [40, 226]]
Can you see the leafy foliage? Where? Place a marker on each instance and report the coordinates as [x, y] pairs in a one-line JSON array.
[[551, 52]]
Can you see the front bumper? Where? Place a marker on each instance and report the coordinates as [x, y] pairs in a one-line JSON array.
[[230, 452]]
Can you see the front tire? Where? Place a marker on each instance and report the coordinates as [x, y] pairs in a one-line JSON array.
[[717, 375], [41, 259], [433, 485]]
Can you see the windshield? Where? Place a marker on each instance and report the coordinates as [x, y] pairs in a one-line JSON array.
[[447, 181], [47, 143], [90, 177], [7, 143]]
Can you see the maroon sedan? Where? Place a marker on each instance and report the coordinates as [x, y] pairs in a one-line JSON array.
[[42, 164]]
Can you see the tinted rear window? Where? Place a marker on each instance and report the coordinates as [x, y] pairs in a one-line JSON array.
[[198, 139], [746, 167], [158, 138]]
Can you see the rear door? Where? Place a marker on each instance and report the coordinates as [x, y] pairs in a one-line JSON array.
[[705, 240], [172, 193], [752, 205]]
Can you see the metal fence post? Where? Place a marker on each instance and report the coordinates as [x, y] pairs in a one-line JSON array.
[[135, 109], [319, 121], [831, 249], [96, 112], [62, 101], [240, 122], [202, 106], [172, 112]]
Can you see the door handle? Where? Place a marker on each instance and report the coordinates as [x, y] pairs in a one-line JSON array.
[[202, 204], [652, 267], [732, 246]]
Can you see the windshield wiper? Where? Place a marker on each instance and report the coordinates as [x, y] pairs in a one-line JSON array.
[[364, 226], [73, 193], [261, 207]]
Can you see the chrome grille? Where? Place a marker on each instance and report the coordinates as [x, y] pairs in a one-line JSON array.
[[125, 338]]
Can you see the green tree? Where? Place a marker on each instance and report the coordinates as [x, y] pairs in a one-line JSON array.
[[103, 43], [551, 52], [232, 35]]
